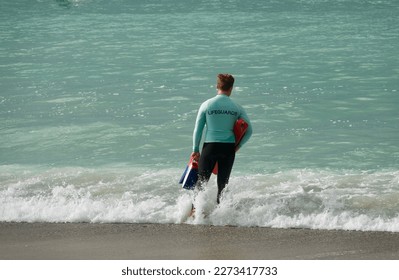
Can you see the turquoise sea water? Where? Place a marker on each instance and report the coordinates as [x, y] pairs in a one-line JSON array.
[[98, 101]]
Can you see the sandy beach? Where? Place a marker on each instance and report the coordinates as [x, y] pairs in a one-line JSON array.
[[51, 241]]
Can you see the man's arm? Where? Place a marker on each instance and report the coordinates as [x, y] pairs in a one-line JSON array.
[[199, 127], [248, 133]]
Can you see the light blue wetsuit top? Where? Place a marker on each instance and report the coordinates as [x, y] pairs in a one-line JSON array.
[[219, 114]]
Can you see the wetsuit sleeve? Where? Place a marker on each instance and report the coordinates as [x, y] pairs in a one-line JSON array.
[[248, 133], [199, 127]]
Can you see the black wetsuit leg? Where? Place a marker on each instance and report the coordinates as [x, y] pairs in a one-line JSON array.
[[224, 155]]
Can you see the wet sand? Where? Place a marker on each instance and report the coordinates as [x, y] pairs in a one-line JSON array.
[[81, 241]]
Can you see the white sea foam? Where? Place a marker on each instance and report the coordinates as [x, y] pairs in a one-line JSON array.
[[319, 199]]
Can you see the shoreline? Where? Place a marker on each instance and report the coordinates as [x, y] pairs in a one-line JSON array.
[[119, 241]]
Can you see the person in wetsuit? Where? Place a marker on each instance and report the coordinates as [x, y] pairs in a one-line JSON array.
[[219, 115]]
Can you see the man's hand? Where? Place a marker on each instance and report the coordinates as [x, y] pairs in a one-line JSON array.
[[196, 156]]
